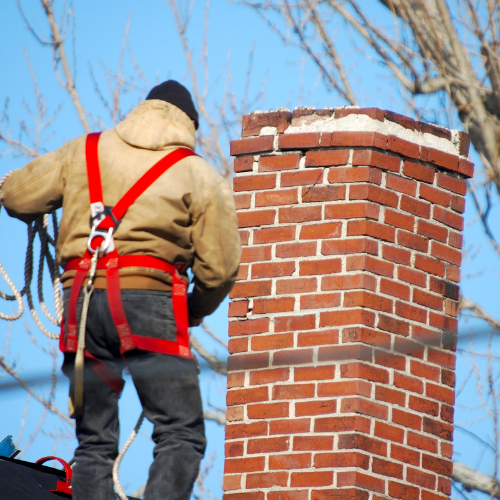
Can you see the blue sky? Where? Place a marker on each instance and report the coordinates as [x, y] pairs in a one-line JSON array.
[[234, 31]]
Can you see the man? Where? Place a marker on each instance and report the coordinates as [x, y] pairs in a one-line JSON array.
[[184, 218]]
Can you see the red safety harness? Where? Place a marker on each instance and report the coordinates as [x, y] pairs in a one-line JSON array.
[[104, 222]]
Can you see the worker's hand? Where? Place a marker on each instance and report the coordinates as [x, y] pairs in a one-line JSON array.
[[195, 321]]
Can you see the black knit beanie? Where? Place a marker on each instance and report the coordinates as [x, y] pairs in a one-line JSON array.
[[178, 95]]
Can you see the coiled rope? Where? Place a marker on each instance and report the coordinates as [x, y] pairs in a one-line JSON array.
[[48, 242]]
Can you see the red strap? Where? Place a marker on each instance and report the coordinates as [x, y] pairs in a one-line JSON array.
[[126, 261], [103, 371], [93, 172]]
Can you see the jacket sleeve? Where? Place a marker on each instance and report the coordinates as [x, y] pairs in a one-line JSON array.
[[217, 252], [35, 189]]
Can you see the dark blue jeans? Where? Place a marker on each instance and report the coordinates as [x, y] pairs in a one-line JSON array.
[[168, 389]]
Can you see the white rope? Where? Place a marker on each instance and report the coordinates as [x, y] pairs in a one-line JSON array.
[[116, 466]]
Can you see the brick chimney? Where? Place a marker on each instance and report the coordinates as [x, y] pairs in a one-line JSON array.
[[343, 320]]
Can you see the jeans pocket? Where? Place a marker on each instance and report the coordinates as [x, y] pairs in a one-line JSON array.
[[150, 313]]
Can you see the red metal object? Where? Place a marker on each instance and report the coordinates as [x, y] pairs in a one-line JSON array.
[[61, 486]]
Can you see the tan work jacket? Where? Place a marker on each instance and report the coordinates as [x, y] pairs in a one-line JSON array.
[[186, 216]]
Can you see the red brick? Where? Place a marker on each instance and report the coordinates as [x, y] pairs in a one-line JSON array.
[[411, 312], [424, 370], [427, 299], [358, 139], [466, 168], [269, 376], [242, 274], [364, 407], [248, 327], [447, 450], [436, 196], [446, 253], [321, 231], [233, 465], [352, 211], [369, 228], [235, 379], [271, 342], [420, 478], [451, 219], [406, 455], [386, 468], [327, 158], [395, 289], [342, 459], [458, 203], [389, 432], [369, 300], [439, 158], [242, 201], [426, 336], [464, 143], [439, 429], [345, 352], [349, 246], [453, 273], [453, 184], [252, 145], [239, 431], [404, 148], [299, 141], [320, 337], [319, 301], [373, 193], [256, 253], [290, 461], [375, 113], [266, 480], [429, 265], [401, 184], [294, 323], [346, 387], [299, 214], [342, 424], [445, 288], [232, 482], [274, 234], [419, 171], [317, 194], [366, 336], [415, 207], [280, 197], [234, 449], [322, 407], [292, 357], [443, 322], [256, 218], [309, 479], [432, 230], [280, 162], [438, 465], [355, 174], [412, 276], [390, 360], [444, 486], [393, 325], [303, 374], [403, 491], [254, 495], [418, 440], [347, 317], [264, 306], [368, 263], [243, 164], [348, 282], [402, 120], [323, 266], [422, 405], [270, 410], [355, 478], [248, 361], [302, 178], [312, 443], [290, 426], [368, 157], [288, 495], [390, 395], [362, 442], [408, 383], [298, 285], [436, 130], [406, 419], [398, 219], [253, 123], [366, 372], [254, 182], [237, 345], [239, 308], [287, 250], [413, 241], [272, 269]]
